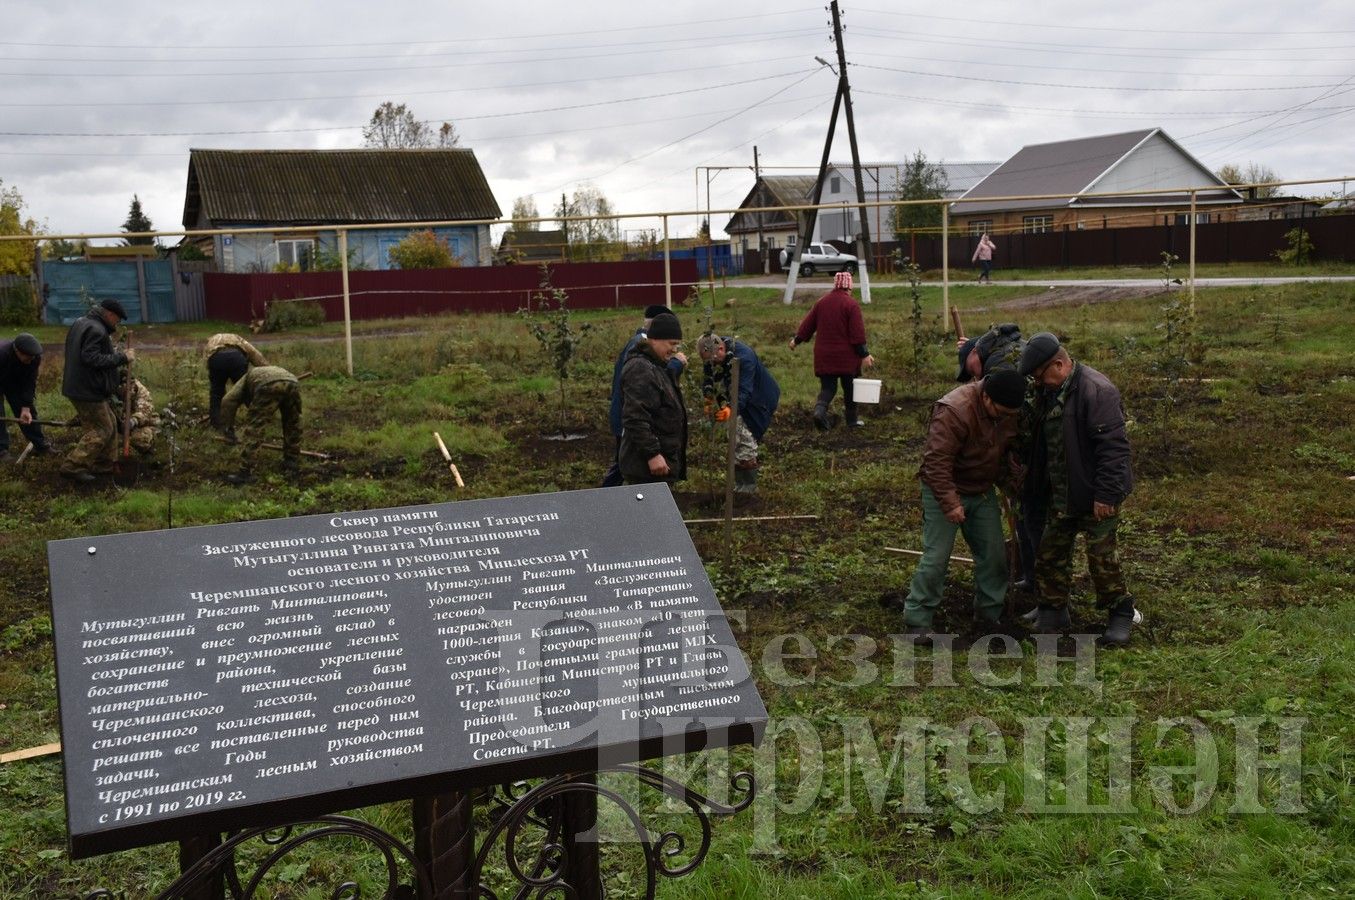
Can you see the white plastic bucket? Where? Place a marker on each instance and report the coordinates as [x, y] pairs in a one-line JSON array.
[[866, 390]]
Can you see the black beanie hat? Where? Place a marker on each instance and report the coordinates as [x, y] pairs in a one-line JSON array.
[[665, 328], [965, 348], [657, 309], [1005, 388]]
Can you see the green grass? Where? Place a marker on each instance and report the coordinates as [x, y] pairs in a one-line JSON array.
[[1239, 542]]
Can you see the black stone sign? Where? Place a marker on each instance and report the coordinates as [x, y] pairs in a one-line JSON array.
[[232, 675]]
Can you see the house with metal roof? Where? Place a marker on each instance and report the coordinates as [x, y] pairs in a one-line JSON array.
[[528, 245], [880, 181], [320, 189], [1062, 181]]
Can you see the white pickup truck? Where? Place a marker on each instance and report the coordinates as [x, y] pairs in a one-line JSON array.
[[821, 258]]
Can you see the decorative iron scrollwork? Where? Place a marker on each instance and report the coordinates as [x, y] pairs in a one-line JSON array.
[[665, 854], [221, 861]]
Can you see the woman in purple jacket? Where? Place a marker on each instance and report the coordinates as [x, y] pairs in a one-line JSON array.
[[839, 350]]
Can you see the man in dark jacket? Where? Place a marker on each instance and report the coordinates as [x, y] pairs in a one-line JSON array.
[[965, 455], [759, 395], [653, 415], [89, 381], [19, 362], [1079, 461], [612, 478], [997, 348]]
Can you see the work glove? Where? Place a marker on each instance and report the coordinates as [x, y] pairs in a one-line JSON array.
[[723, 414]]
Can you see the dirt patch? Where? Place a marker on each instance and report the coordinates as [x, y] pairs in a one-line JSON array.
[[1076, 295]]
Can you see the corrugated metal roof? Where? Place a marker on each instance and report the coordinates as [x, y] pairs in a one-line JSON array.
[[773, 190], [1065, 167], [300, 187], [1059, 167]]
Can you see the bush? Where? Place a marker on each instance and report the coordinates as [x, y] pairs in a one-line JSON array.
[[423, 250], [1300, 249], [282, 315], [330, 261], [17, 306]]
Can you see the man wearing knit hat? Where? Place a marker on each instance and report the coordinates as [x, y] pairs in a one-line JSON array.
[[653, 414], [963, 458], [612, 478], [88, 381], [1079, 461], [19, 362]]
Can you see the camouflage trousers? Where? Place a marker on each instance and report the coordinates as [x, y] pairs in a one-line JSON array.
[[143, 440], [281, 397], [97, 447], [1054, 560]]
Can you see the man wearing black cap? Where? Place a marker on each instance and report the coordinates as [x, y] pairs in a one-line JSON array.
[[997, 348], [1079, 461], [19, 362], [612, 478], [89, 381], [963, 458], [653, 415]]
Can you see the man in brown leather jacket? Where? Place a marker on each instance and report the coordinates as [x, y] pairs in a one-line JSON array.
[[963, 458]]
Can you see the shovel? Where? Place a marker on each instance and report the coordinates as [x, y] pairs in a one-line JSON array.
[[127, 468]]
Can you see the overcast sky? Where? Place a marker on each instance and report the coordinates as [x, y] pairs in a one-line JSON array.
[[103, 100]]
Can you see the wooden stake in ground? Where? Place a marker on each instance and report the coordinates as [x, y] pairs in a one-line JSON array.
[[30, 753], [959, 329], [456, 473], [316, 454], [963, 559], [729, 469], [24, 455]]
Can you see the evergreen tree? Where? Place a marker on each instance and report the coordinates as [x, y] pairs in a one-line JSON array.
[[137, 221]]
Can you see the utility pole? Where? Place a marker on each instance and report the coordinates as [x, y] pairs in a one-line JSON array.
[[761, 243], [844, 93], [863, 238]]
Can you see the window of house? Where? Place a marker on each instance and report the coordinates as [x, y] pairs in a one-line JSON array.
[[834, 184], [1037, 224], [296, 253], [979, 227]]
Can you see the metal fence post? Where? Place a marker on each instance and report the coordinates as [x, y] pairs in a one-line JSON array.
[[667, 269], [1191, 278], [347, 313], [945, 263]]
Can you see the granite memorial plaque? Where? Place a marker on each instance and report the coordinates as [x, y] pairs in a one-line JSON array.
[[232, 675]]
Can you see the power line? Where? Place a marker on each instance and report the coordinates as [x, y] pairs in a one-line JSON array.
[[1096, 87], [1095, 113], [1081, 50], [469, 139], [1082, 69], [1096, 49], [703, 43], [388, 94], [369, 43], [807, 75], [1113, 28], [434, 120]]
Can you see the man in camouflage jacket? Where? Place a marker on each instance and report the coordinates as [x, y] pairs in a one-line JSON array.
[[265, 390]]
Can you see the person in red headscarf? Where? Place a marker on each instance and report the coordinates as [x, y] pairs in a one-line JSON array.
[[840, 351]]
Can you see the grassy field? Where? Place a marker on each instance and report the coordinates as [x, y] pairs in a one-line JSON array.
[[875, 780]]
